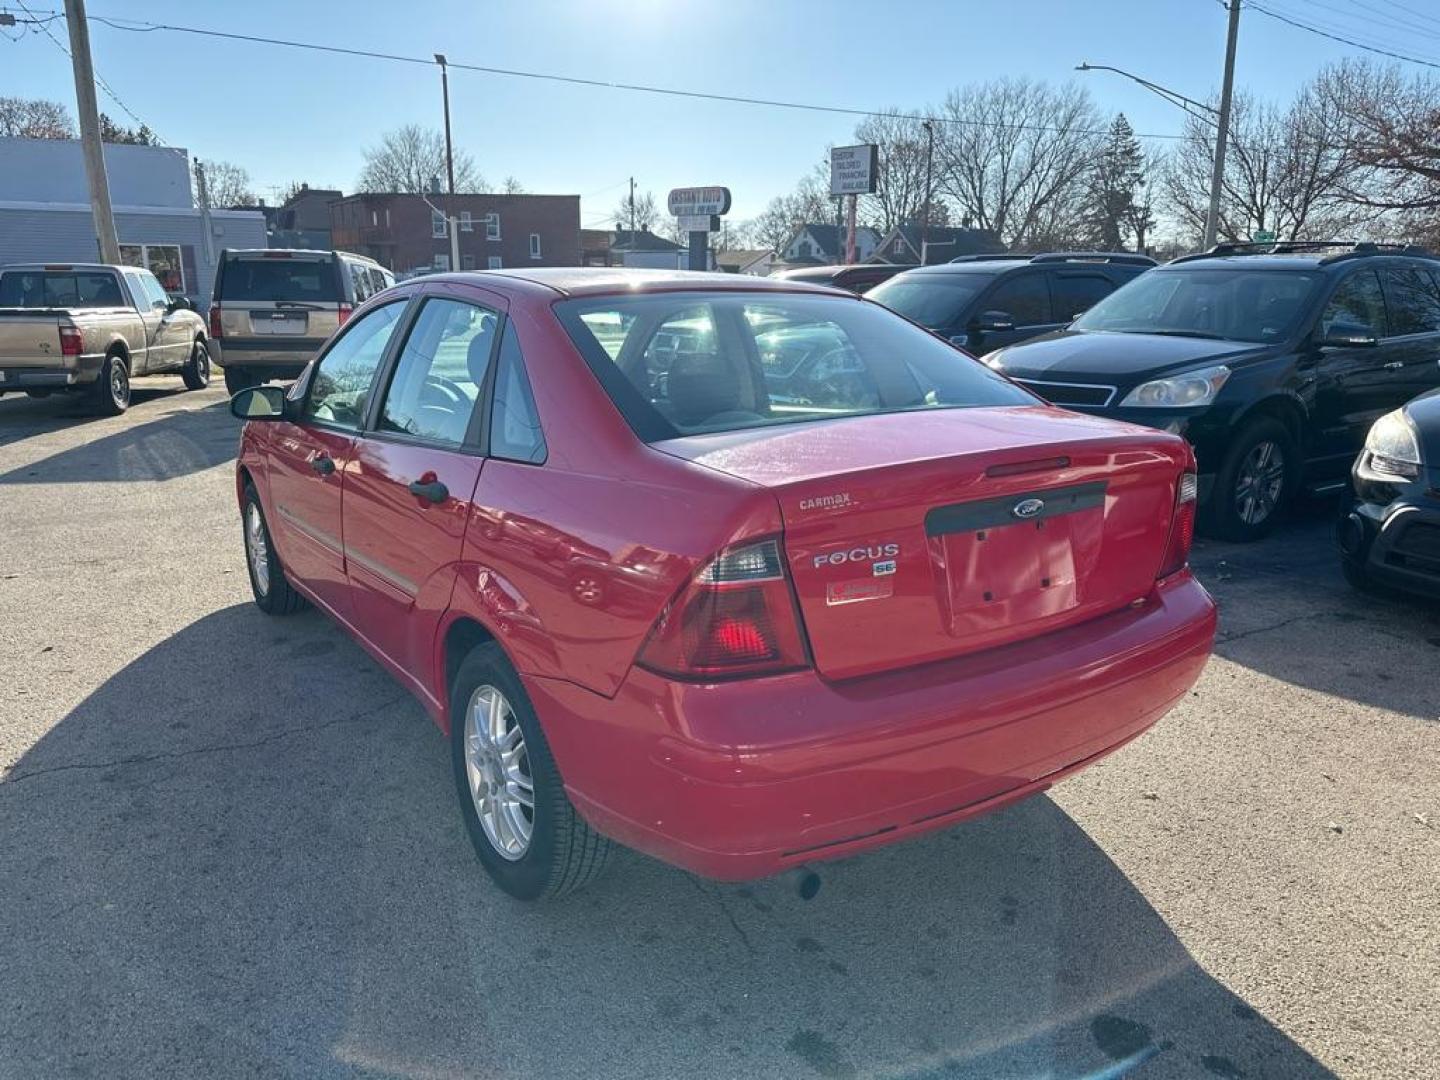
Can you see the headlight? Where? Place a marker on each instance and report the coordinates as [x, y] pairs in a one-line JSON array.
[[1179, 391], [1391, 449]]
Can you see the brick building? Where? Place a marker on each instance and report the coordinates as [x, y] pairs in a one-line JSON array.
[[403, 233]]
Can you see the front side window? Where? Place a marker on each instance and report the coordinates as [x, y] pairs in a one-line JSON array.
[[154, 295], [515, 432], [1357, 309], [1414, 301], [340, 388], [438, 377], [683, 363], [1232, 304], [1025, 298]]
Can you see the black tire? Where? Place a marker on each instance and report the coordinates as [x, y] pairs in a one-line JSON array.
[[1248, 481], [237, 379], [563, 853], [112, 387], [273, 593], [197, 369], [1357, 577]]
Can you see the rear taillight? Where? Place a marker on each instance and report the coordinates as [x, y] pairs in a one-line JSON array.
[[1182, 526], [736, 618], [69, 341], [345, 312], [216, 330]]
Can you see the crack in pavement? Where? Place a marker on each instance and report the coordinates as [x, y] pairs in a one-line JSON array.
[[1344, 617], [725, 910], [170, 755]]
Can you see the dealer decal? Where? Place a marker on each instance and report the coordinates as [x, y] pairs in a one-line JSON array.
[[853, 592]]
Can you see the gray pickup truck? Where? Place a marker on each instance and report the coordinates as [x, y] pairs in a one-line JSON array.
[[88, 328]]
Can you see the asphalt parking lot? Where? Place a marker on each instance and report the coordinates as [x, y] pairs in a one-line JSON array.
[[229, 845]]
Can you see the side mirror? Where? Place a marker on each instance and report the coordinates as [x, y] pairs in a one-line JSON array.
[[259, 403], [994, 321], [179, 303]]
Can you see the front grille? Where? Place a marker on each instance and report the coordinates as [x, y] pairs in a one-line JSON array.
[[1070, 393]]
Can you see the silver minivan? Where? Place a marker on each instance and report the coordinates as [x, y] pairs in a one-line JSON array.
[[272, 308]]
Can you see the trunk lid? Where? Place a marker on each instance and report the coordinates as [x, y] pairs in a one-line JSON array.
[[914, 537]]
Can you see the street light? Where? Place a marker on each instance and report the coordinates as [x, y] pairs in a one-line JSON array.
[[449, 165]]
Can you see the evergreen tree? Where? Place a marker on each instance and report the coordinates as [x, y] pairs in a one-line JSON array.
[[1117, 201]]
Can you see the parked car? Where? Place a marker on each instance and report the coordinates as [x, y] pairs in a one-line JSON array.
[[1273, 360], [82, 328], [853, 277], [984, 302], [1389, 533], [271, 308], [653, 605]]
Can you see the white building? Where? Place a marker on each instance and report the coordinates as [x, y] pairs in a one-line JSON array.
[[45, 212], [814, 244]]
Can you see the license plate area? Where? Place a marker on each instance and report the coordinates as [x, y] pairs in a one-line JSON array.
[[1015, 560], [279, 322]]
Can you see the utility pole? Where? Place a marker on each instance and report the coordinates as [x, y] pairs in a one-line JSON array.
[[632, 213], [202, 193], [90, 144], [929, 156], [451, 219], [1217, 177]]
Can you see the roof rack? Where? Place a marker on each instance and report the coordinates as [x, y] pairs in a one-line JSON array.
[[1348, 249], [1125, 258]]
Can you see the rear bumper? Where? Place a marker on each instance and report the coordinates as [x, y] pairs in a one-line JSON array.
[[82, 371], [291, 356], [741, 780]]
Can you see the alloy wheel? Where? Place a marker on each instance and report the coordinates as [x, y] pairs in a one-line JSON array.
[[119, 384], [498, 769], [1259, 482], [257, 549]]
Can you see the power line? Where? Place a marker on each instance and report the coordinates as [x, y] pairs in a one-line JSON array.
[[1337, 37], [137, 26], [1412, 11], [1390, 22]]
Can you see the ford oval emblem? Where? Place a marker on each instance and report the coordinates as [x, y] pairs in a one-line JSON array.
[[1027, 508]]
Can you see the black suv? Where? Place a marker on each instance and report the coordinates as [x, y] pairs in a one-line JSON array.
[[983, 302], [1272, 359], [854, 277]]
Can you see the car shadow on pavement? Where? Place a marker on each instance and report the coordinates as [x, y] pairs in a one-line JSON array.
[[1287, 612], [242, 855], [175, 443]]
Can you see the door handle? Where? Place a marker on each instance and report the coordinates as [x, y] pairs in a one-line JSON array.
[[1394, 365], [322, 464], [434, 490]]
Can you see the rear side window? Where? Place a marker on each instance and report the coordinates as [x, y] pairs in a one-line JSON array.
[[59, 289], [1414, 302], [1357, 308], [683, 363], [437, 380], [300, 280], [514, 422], [1025, 298], [1076, 293]]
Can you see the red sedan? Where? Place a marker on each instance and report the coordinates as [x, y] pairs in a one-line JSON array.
[[744, 574]]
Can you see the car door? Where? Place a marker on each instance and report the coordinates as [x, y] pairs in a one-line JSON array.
[[1025, 298], [1354, 384], [1412, 297], [408, 491], [151, 304], [308, 459]]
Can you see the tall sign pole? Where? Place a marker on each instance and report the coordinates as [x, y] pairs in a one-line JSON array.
[[90, 144], [853, 172], [698, 211], [1217, 175]]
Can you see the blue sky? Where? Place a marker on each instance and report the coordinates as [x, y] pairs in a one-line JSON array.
[[290, 115]]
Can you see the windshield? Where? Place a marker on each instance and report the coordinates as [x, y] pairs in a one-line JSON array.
[[682, 363], [59, 289], [297, 280], [1237, 305], [933, 300]]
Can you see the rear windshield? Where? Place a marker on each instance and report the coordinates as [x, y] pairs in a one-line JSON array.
[[688, 362], [59, 289], [301, 280], [933, 300], [1234, 304]]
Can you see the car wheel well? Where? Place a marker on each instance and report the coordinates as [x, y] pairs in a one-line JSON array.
[[1287, 412], [118, 349], [464, 635]]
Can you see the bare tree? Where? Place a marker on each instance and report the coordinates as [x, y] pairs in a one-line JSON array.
[[511, 186], [410, 158], [228, 185], [899, 196], [290, 190], [1014, 156], [35, 118], [644, 212], [1287, 171], [810, 202]]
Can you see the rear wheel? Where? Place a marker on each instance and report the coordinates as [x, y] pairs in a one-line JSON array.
[[197, 369], [237, 379], [38, 395], [1255, 481], [525, 831], [273, 593], [112, 388]]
